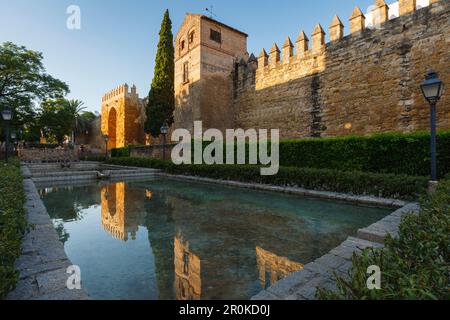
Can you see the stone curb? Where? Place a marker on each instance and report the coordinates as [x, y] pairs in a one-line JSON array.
[[43, 263], [303, 284], [334, 196]]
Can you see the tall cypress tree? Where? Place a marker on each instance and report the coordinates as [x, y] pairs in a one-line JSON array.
[[161, 103]]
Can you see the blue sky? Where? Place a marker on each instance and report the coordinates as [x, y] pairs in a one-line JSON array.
[[117, 41]]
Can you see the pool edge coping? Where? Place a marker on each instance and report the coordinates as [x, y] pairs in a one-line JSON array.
[[303, 284], [43, 262], [327, 195]]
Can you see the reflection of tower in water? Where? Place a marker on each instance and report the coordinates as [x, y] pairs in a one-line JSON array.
[[187, 272], [120, 211], [273, 268]]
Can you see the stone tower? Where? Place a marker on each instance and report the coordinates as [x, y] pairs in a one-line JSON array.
[[123, 117], [207, 53]]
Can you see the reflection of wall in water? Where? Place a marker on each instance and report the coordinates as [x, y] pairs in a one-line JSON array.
[[273, 268], [122, 211], [187, 272]]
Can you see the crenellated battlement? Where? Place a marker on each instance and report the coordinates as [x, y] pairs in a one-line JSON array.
[[301, 55], [121, 91], [362, 81]]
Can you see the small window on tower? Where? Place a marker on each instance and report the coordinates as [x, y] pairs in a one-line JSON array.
[[182, 45], [186, 72], [216, 36], [192, 37]]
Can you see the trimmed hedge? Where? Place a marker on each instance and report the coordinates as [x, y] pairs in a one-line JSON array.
[[395, 153], [12, 224], [416, 266], [354, 182], [95, 158], [120, 152]]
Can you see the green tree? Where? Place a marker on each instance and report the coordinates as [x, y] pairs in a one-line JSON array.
[[161, 102], [75, 109], [24, 81], [56, 119], [85, 121]]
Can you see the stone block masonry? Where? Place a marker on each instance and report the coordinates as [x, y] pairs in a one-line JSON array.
[[366, 82]]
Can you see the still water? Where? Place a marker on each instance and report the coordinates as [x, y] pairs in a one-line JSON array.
[[166, 239]]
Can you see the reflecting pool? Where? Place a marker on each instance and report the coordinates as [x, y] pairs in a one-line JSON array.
[[168, 239]]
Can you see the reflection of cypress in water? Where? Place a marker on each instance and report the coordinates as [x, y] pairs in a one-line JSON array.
[[161, 232]]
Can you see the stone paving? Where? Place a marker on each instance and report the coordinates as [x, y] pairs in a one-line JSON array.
[[43, 263], [303, 284]]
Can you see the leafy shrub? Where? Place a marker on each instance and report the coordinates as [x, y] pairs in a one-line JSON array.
[[121, 152], [414, 266], [95, 158], [384, 185], [12, 224], [397, 153]]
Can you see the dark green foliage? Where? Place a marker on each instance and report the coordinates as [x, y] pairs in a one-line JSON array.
[[384, 185], [395, 153], [120, 152], [161, 102], [415, 266], [383, 153], [24, 81], [12, 224]]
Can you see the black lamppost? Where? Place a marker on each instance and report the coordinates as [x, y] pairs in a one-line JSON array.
[[106, 138], [164, 131], [7, 116], [432, 89]]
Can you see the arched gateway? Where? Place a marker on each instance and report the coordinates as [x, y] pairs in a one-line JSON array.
[[123, 117]]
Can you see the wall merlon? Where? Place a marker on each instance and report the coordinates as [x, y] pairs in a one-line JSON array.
[[336, 29], [380, 13], [288, 50], [318, 38], [274, 55], [406, 6], [302, 44], [263, 59], [357, 21]]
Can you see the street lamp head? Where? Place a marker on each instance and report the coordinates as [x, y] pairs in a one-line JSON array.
[[165, 129], [432, 87], [106, 138], [7, 114], [13, 136]]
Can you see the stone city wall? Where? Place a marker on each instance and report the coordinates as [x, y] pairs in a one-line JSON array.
[[366, 82]]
